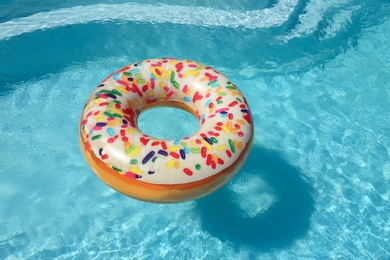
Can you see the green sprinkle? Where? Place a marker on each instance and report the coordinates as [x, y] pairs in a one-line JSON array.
[[195, 150], [154, 158], [211, 82], [220, 102], [184, 144], [239, 100], [131, 148], [110, 105], [232, 146], [96, 137], [117, 115], [117, 102], [198, 167], [141, 81], [231, 87], [108, 114], [138, 75], [173, 77], [222, 93], [127, 74], [175, 84], [133, 161], [200, 68], [214, 140], [116, 169], [116, 92]]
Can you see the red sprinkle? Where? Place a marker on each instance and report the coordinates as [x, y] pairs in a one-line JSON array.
[[174, 155], [233, 103], [164, 145], [229, 153], [187, 171], [105, 156], [203, 152]]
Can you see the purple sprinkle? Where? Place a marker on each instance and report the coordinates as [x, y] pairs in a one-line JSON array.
[[162, 152], [124, 121], [223, 112], [208, 140], [101, 85], [130, 78], [182, 154], [244, 110], [101, 124], [148, 157], [150, 172], [101, 151], [138, 176]]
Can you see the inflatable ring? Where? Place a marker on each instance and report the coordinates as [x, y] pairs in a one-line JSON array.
[[166, 171]]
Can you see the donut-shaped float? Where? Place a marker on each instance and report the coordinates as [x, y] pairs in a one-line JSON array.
[[166, 171]]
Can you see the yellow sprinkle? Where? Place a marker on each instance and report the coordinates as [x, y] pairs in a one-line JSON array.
[[229, 125], [194, 143], [196, 74], [212, 109], [135, 169], [215, 158], [134, 152], [221, 147], [117, 121], [160, 68], [130, 130], [99, 116], [164, 74], [122, 89], [86, 108], [150, 93], [174, 62], [208, 146], [99, 119], [170, 163], [186, 74], [162, 85], [97, 101], [235, 130], [209, 91], [218, 89], [161, 96], [176, 165], [203, 79], [173, 148], [241, 122], [169, 71], [136, 102], [225, 129]]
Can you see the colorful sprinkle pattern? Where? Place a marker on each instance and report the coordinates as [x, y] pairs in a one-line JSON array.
[[109, 122]]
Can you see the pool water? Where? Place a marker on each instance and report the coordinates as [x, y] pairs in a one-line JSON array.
[[316, 74]]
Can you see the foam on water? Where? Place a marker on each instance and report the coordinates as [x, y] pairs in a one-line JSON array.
[[189, 15]]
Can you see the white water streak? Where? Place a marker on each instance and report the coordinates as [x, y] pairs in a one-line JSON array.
[[187, 15]]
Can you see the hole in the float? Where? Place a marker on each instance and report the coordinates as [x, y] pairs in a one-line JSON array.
[[167, 123]]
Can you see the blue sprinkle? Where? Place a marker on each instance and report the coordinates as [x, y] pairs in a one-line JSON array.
[[208, 140], [111, 95], [224, 115], [186, 150], [162, 152], [207, 103], [176, 142], [133, 71], [116, 76], [154, 77], [203, 116], [182, 154], [187, 99], [111, 131], [214, 85], [148, 157]]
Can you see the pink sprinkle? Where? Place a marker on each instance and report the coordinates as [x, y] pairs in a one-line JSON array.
[[198, 141], [240, 134], [193, 66], [185, 88], [97, 128], [180, 75], [222, 109], [130, 175]]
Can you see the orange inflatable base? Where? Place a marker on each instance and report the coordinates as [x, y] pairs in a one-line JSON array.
[[163, 193]]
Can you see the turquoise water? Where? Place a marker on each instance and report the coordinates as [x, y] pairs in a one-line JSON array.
[[316, 75]]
